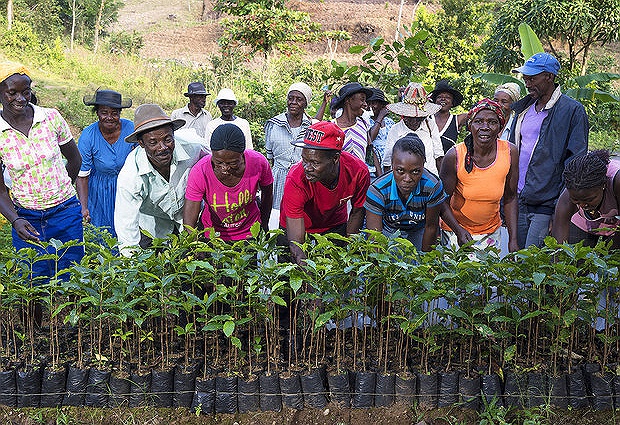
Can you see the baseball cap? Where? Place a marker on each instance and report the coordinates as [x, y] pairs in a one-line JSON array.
[[323, 135], [540, 62]]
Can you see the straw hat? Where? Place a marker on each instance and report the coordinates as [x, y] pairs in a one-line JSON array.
[[415, 103]]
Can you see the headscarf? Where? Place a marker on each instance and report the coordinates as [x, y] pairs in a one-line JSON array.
[[228, 137], [302, 88], [9, 68], [485, 103], [511, 89]]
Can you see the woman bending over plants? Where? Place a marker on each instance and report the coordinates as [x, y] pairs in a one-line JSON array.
[[591, 199], [228, 181]]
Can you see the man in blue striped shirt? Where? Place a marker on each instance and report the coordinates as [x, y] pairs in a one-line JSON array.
[[408, 198]]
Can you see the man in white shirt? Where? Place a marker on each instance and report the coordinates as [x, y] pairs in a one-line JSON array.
[[194, 114], [226, 102], [151, 185]]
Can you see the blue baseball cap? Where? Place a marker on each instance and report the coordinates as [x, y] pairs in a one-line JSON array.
[[540, 62]]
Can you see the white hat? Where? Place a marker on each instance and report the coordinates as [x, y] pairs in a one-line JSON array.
[[225, 94], [302, 88]]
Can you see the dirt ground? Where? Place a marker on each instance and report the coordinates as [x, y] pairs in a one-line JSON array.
[[331, 415], [179, 30]]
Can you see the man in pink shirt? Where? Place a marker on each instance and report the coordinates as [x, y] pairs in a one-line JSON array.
[[318, 188]]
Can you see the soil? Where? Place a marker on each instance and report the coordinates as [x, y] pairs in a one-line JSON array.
[[331, 415], [181, 31]]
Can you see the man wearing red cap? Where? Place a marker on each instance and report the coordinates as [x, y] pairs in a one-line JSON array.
[[318, 188]]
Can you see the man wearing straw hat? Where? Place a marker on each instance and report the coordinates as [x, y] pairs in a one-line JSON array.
[[151, 185], [194, 114], [415, 108]]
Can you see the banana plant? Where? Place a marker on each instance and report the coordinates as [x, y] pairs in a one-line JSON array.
[[581, 88]]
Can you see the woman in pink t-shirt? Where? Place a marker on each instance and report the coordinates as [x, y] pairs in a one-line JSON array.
[[228, 181]]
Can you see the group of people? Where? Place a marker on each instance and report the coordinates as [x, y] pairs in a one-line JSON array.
[[523, 164]]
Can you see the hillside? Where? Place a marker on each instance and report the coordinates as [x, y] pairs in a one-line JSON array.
[[180, 30]]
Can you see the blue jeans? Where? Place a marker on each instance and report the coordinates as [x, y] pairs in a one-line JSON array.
[[62, 222], [532, 228]]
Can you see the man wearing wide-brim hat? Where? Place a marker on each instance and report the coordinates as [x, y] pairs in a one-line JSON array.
[[415, 110], [194, 114], [151, 185]]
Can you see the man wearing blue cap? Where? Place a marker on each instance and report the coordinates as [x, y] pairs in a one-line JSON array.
[[550, 129]]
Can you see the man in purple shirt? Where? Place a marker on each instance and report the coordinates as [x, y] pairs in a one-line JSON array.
[[550, 129]]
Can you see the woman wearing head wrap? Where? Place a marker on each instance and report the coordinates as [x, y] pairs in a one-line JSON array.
[[591, 199], [352, 99], [477, 174], [282, 131], [103, 152], [228, 182], [507, 94], [34, 141]]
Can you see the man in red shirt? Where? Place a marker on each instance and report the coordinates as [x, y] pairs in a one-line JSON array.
[[318, 188]]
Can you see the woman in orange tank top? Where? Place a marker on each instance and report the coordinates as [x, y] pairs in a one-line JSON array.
[[477, 174]]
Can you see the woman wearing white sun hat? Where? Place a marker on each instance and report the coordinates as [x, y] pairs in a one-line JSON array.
[[415, 110], [226, 102]]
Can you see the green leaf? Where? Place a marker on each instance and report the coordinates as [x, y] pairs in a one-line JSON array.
[[323, 319], [582, 94], [296, 283], [497, 79], [509, 353], [356, 49], [228, 328], [484, 330], [456, 312], [603, 77], [538, 277], [255, 229], [236, 342], [278, 300], [530, 44]]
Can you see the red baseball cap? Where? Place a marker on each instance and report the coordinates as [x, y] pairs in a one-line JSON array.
[[323, 135]]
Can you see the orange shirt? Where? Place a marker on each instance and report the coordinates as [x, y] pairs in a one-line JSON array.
[[476, 197]]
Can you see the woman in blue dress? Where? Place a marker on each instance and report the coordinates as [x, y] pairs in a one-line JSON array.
[[104, 150]]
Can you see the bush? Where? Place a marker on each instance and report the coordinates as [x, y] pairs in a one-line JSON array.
[[125, 42]]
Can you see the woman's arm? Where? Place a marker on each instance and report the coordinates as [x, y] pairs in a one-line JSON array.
[[376, 127], [511, 207], [24, 229], [374, 221], [266, 204], [327, 97], [448, 178], [81, 185], [74, 159], [430, 228], [191, 210], [564, 210]]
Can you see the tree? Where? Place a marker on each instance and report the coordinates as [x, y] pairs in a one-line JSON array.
[[265, 30], [574, 26], [79, 18]]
